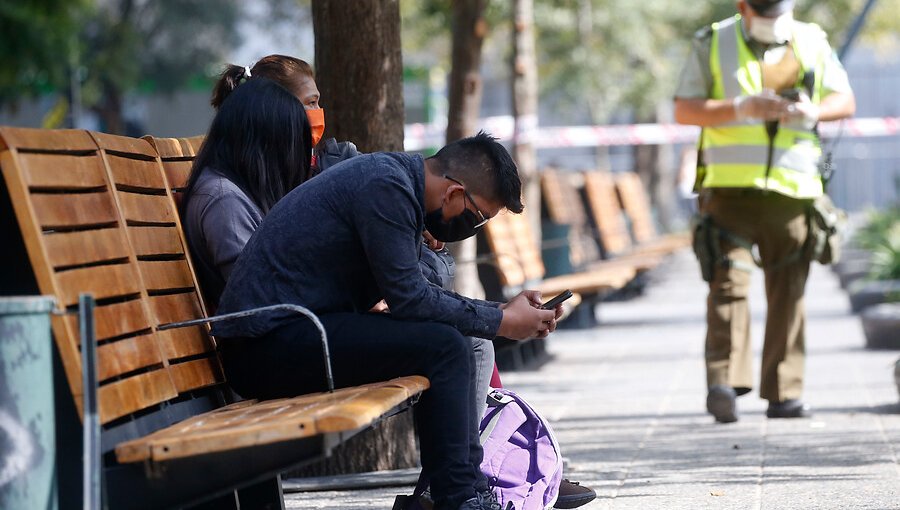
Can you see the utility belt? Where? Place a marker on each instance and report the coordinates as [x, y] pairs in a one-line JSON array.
[[825, 224]]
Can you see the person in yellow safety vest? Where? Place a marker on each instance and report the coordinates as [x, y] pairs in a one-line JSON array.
[[757, 84]]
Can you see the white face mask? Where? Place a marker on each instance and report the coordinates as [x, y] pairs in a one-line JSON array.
[[772, 30]]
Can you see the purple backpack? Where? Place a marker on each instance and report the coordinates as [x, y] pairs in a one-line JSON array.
[[521, 456]]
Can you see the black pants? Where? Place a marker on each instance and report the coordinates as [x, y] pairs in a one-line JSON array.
[[369, 348]]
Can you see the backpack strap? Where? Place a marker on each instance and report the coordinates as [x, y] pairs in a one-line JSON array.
[[496, 401]]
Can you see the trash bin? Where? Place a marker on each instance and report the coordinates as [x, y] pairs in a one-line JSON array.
[[555, 248], [27, 440]]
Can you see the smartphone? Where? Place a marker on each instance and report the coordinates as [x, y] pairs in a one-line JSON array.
[[550, 305], [790, 94]]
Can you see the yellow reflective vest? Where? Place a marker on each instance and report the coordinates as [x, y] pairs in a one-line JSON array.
[[735, 155]]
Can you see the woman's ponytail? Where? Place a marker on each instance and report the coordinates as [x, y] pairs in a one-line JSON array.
[[230, 78]]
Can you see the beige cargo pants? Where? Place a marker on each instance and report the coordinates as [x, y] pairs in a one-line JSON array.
[[777, 225]]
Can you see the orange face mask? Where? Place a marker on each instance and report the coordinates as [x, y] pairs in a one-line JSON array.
[[316, 123]]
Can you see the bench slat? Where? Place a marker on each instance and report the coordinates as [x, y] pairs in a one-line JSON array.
[[191, 145], [177, 173], [73, 210], [103, 281], [135, 393], [124, 144], [196, 374], [162, 275], [128, 355], [176, 307], [150, 241], [165, 147], [115, 320], [85, 247], [62, 171], [47, 140], [180, 343], [146, 208], [135, 173], [273, 421]]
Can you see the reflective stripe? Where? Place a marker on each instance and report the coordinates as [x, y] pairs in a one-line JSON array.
[[755, 134], [728, 52], [798, 158], [781, 180]]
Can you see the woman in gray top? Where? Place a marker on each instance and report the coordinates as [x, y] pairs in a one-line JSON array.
[[257, 150]]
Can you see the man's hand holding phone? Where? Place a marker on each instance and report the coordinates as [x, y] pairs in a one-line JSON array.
[[523, 317], [521, 312]]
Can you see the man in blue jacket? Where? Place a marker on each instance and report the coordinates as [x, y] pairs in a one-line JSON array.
[[350, 237]]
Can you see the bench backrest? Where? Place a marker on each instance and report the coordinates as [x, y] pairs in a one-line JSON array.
[[97, 215], [566, 207], [612, 229], [636, 204], [517, 257]]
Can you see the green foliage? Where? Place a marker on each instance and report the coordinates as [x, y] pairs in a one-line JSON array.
[[116, 45], [881, 236], [36, 37]]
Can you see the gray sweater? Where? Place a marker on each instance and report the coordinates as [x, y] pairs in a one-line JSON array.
[[341, 242], [218, 222]]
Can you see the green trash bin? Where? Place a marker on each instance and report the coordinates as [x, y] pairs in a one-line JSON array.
[[555, 248], [27, 433]]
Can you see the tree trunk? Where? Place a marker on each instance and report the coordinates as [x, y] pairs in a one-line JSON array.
[[469, 29], [525, 107], [359, 72], [655, 165], [110, 110]]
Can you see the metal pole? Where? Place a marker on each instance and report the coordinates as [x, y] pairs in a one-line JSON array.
[[854, 29], [92, 468]]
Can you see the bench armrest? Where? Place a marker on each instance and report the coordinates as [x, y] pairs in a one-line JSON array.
[[300, 310]]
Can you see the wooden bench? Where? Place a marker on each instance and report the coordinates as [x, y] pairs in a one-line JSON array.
[[636, 204], [517, 264], [565, 205], [611, 221], [96, 214]]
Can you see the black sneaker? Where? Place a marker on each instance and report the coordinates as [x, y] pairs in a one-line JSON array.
[[791, 408], [485, 500], [573, 495], [720, 402]]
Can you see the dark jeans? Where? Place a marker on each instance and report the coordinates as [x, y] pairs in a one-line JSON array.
[[369, 348]]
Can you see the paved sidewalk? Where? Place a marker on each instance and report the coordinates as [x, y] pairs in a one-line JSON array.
[[627, 403]]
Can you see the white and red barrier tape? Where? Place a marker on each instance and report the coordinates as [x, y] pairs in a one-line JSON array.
[[423, 136]]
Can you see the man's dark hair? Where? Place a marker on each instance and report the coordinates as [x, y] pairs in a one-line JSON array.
[[485, 167], [260, 139]]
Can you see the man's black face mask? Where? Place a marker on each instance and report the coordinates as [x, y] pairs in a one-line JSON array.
[[455, 229]]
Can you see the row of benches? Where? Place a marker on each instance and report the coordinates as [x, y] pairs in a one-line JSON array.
[[611, 239], [97, 213]]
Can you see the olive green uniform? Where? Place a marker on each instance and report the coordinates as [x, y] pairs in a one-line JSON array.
[[777, 224]]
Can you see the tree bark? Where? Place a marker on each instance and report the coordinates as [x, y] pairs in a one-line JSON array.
[[525, 108], [469, 28], [359, 72], [655, 164]]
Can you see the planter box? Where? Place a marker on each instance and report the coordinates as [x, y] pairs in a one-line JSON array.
[[852, 270], [866, 293], [881, 324]]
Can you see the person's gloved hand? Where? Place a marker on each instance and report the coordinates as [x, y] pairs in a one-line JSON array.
[[763, 106], [803, 111]]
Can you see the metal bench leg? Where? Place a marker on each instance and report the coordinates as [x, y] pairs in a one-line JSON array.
[[265, 495]]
